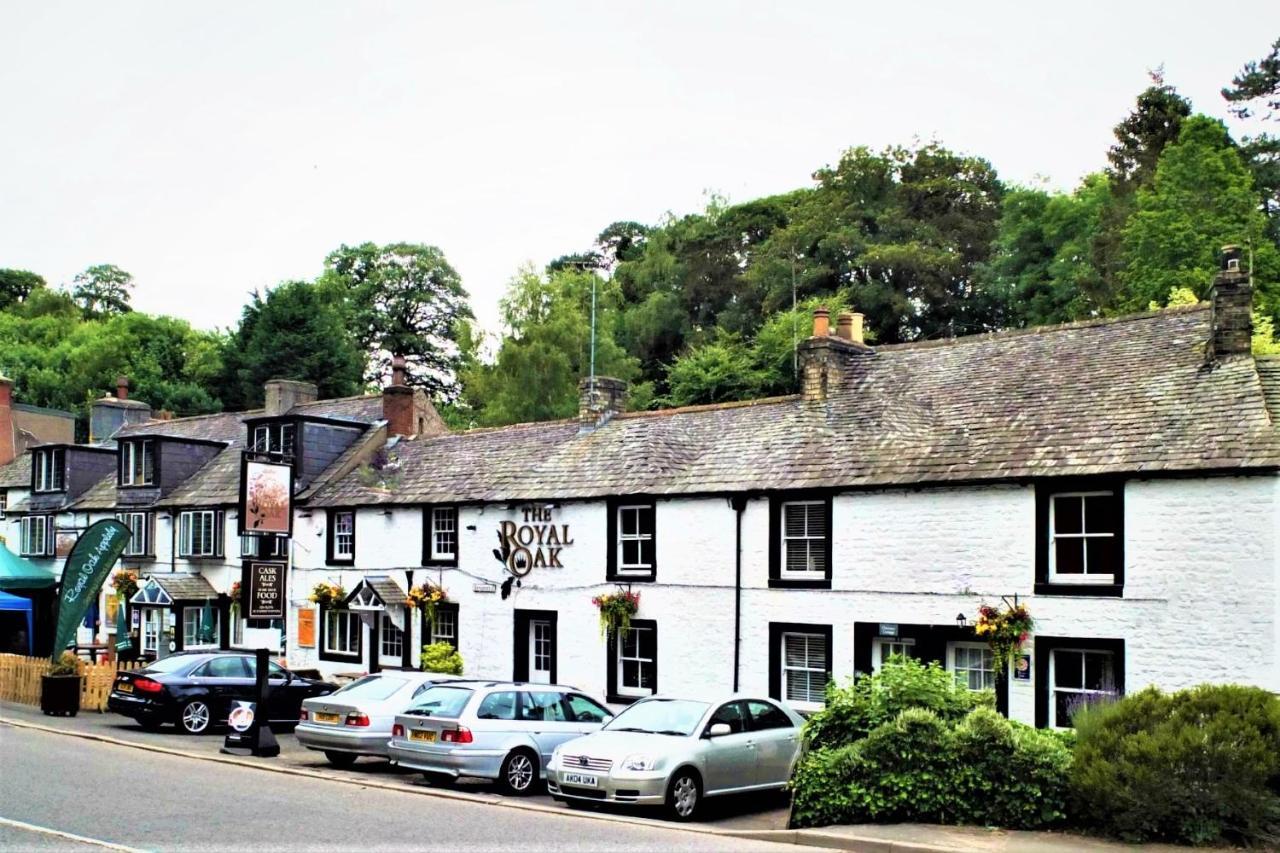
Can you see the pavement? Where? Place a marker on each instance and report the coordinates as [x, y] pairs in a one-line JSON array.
[[729, 823]]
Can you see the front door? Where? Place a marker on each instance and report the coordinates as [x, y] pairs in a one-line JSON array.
[[152, 627], [390, 644], [541, 645]]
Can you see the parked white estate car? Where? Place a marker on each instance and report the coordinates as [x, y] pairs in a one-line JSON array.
[[497, 730], [667, 750], [356, 720]]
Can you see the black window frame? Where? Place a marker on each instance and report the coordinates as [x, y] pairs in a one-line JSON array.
[[776, 632], [138, 445], [613, 649], [1042, 651], [429, 630], [429, 532], [340, 657], [57, 469], [331, 531], [776, 578], [613, 529], [1045, 490]]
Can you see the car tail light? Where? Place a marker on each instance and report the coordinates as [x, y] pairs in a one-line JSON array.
[[304, 715], [357, 719], [397, 730], [461, 734], [147, 685]]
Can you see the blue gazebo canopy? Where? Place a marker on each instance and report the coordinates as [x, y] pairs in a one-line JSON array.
[[17, 602]]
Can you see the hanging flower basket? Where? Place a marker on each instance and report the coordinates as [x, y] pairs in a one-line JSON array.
[[235, 592], [1005, 631], [616, 610], [125, 582], [330, 595], [427, 596]]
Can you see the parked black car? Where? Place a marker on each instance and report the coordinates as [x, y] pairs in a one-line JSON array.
[[195, 691]]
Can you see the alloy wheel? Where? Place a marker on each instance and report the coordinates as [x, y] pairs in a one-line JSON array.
[[684, 796], [519, 772], [195, 717]]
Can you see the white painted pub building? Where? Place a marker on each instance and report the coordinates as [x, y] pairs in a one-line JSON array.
[[1119, 477]]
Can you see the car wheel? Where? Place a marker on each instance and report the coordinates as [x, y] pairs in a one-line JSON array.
[[684, 795], [340, 759], [519, 773], [195, 717]]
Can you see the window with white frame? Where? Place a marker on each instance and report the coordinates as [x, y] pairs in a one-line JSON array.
[[444, 629], [49, 470], [4, 502], [637, 649], [804, 539], [249, 546], [141, 540], [344, 535], [278, 546], [342, 632], [883, 648], [237, 625], [152, 625], [391, 639], [635, 539], [1082, 537], [274, 438], [444, 533], [37, 536], [804, 667], [973, 665], [1079, 677], [200, 533], [137, 463], [195, 632]]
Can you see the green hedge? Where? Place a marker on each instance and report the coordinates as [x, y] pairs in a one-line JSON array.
[[1200, 766]]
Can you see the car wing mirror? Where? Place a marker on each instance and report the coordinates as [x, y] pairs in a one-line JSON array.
[[719, 730]]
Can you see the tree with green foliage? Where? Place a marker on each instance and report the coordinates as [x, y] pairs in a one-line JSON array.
[[401, 299], [1154, 123], [1257, 87], [102, 290], [722, 370], [1202, 198], [17, 285], [295, 331]]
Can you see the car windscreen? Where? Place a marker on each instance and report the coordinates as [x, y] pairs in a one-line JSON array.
[[441, 701], [167, 665], [660, 716], [374, 688]]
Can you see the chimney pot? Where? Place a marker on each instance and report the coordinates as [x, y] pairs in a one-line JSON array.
[[122, 388], [821, 322], [1230, 258], [397, 370]]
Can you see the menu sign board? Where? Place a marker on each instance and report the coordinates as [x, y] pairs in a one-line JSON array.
[[265, 585]]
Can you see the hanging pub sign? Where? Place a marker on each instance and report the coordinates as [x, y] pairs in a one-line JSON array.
[[266, 498], [532, 542], [264, 585]]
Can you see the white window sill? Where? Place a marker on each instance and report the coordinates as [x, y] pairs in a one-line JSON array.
[[1082, 580]]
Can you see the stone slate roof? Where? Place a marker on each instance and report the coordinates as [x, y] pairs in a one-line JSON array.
[[184, 587], [386, 588], [17, 473], [1269, 373], [1125, 395]]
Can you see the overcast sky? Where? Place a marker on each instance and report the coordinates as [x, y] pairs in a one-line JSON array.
[[213, 148]]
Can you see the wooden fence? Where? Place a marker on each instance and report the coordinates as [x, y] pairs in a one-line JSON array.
[[20, 680]]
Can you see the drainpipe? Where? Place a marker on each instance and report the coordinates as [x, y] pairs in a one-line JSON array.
[[739, 503]]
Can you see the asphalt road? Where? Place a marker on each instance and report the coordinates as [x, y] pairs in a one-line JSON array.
[[124, 796]]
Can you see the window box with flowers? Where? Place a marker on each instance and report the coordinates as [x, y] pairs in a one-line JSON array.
[[616, 610]]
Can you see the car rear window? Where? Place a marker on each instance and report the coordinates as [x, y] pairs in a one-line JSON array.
[[166, 665], [441, 702], [372, 687]]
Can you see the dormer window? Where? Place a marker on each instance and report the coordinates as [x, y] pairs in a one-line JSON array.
[[138, 463], [49, 470], [274, 438]]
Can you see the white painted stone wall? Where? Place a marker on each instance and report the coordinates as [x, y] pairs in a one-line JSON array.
[[1201, 601]]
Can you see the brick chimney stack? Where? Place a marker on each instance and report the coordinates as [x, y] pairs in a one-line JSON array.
[[1231, 308], [8, 442], [826, 360], [122, 387], [281, 395], [398, 402], [599, 399]]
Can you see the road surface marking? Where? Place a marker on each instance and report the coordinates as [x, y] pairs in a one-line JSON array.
[[31, 827]]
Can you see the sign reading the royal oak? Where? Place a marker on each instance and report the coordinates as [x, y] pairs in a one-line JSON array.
[[534, 541]]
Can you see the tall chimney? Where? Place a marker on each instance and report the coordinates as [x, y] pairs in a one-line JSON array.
[[108, 414], [398, 403], [1231, 308], [821, 322], [8, 443], [283, 394], [827, 361], [599, 399], [122, 387]]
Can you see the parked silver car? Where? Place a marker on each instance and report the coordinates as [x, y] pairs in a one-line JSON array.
[[492, 730], [356, 720], [671, 751]]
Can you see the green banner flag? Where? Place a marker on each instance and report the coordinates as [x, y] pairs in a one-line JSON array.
[[124, 642], [86, 569]]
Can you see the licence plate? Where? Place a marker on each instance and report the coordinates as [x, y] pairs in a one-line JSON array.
[[578, 779], [422, 734], [125, 688], [322, 717]]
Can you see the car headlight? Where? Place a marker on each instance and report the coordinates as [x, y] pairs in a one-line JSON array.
[[638, 762]]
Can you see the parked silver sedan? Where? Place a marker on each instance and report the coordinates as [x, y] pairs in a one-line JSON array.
[[496, 730], [671, 751], [356, 720]]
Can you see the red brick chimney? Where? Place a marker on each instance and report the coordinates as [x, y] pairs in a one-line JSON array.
[[122, 387], [397, 402], [7, 441]]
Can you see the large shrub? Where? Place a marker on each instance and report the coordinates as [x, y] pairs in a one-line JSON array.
[[1199, 766], [853, 711], [981, 769], [441, 657]]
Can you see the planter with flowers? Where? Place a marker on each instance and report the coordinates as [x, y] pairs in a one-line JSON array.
[[329, 595], [60, 686], [426, 596], [125, 582], [616, 610], [1004, 630]]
